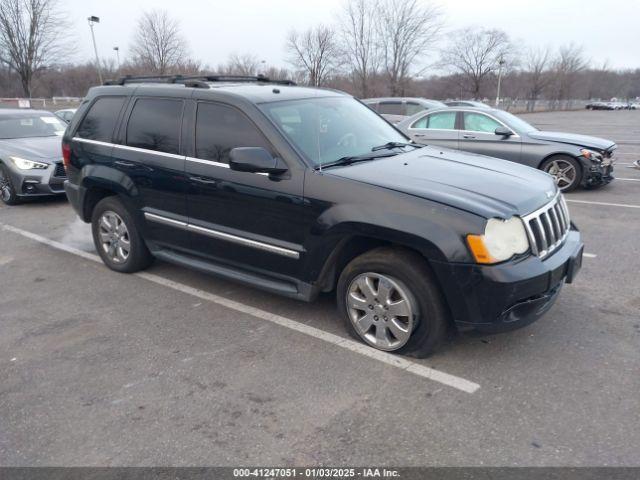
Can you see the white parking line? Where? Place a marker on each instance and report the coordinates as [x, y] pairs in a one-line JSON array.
[[589, 255], [607, 204], [351, 345], [629, 179]]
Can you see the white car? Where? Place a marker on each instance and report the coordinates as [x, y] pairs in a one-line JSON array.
[[66, 114]]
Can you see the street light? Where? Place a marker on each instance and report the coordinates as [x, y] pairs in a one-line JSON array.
[[501, 62], [93, 19], [117, 50]]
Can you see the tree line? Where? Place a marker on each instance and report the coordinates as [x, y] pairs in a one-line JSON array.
[[373, 48]]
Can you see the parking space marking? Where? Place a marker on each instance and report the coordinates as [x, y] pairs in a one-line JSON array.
[[589, 255], [606, 204], [629, 179], [453, 381]]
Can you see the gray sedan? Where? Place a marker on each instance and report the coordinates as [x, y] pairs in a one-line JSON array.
[[573, 160]]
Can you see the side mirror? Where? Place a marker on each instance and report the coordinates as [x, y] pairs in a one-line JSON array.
[[503, 132], [255, 160]]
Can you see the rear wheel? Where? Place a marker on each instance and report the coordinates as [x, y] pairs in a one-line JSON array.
[[117, 238], [565, 170], [388, 299], [7, 191]]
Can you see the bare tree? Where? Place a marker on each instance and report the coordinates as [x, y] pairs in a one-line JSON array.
[[158, 43], [315, 52], [407, 31], [569, 62], [475, 54], [30, 37], [360, 47], [242, 64], [536, 68]]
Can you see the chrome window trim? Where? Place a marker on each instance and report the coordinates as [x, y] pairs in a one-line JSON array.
[[208, 162], [285, 252], [127, 147]]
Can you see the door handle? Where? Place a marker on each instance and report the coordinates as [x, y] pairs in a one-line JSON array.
[[122, 163], [203, 180], [419, 135], [468, 136]]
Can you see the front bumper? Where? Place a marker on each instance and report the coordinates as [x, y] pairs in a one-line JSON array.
[[596, 174], [35, 183], [510, 295]]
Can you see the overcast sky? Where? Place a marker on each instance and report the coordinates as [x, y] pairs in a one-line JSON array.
[[214, 29]]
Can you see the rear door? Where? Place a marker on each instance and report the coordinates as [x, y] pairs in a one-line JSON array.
[[148, 155], [437, 128], [478, 136]]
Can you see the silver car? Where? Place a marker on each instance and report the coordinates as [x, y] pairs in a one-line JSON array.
[[396, 109], [574, 160]]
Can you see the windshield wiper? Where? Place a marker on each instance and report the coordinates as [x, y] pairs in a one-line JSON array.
[[354, 159], [390, 145]]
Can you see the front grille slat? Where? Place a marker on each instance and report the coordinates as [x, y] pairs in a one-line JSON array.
[[548, 227]]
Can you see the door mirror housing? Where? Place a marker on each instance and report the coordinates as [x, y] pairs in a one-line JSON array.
[[255, 160], [503, 132]]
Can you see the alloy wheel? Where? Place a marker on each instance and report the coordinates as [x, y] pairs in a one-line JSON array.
[[382, 310], [114, 237], [5, 186], [563, 172]]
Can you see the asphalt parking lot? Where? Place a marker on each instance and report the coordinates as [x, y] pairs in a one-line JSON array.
[[172, 367]]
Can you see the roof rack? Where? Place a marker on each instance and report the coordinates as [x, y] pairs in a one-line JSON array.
[[196, 81]]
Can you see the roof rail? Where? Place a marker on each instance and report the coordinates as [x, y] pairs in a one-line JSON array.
[[196, 81]]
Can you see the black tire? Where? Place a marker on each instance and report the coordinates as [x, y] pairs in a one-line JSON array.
[[410, 271], [7, 191], [547, 165], [138, 257]]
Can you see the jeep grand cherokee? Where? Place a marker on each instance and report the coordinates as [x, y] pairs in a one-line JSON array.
[[300, 191]]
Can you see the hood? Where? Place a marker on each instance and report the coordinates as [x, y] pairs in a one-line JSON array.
[[40, 148], [573, 139], [482, 185]]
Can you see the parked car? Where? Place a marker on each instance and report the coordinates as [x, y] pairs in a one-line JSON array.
[[66, 114], [466, 103], [573, 160], [300, 191], [396, 109], [30, 157]]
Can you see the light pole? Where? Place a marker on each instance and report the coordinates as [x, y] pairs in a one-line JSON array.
[[117, 50], [93, 19], [501, 62]]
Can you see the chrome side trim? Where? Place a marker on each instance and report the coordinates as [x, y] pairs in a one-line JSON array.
[[208, 162], [93, 142], [267, 247], [244, 241], [127, 147]]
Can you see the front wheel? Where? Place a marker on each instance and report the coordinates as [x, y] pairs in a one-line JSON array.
[[117, 238], [565, 170], [388, 299], [7, 190]]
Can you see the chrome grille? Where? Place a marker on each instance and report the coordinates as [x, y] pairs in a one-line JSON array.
[[548, 226]]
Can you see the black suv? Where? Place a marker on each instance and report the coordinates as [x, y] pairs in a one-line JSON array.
[[301, 191]]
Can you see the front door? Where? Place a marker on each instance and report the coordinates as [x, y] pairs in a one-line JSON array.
[[245, 219]]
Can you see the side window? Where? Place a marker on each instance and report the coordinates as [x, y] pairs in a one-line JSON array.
[[413, 108], [391, 108], [100, 121], [478, 122], [220, 128], [154, 124], [440, 121]]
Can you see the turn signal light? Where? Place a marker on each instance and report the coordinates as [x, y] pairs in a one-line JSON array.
[[479, 250], [66, 155]]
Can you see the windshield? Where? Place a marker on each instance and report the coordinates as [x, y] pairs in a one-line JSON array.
[[37, 125], [330, 128], [517, 123]]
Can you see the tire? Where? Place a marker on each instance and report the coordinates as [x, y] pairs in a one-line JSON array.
[[406, 275], [121, 249], [563, 162], [7, 191]]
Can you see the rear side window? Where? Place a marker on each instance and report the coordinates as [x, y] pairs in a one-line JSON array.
[[391, 108], [220, 128], [438, 121], [154, 124], [100, 121]]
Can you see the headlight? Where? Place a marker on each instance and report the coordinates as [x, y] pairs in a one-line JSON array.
[[591, 154], [502, 240], [24, 164]]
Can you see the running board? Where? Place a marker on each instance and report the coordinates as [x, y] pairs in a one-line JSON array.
[[248, 278]]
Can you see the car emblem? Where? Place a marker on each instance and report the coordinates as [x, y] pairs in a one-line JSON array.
[[549, 194]]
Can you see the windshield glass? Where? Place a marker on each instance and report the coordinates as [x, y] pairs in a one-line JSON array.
[[327, 129], [517, 123], [37, 125]]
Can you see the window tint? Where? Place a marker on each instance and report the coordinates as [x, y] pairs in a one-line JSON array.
[[440, 120], [154, 124], [391, 108], [101, 119], [413, 108], [220, 128], [477, 122]]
